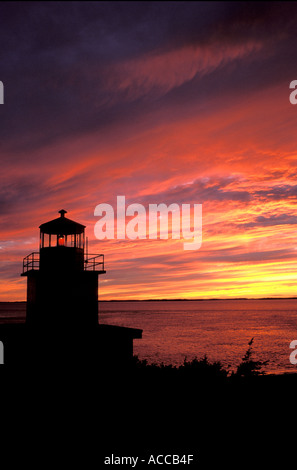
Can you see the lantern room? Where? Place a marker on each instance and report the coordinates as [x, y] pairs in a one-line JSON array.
[[62, 232], [62, 243]]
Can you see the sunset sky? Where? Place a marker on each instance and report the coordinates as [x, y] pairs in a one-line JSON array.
[[162, 102]]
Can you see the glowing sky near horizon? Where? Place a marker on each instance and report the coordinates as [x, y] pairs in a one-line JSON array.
[[163, 102]]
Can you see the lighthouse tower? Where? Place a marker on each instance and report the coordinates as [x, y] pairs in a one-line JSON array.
[[62, 279], [61, 327]]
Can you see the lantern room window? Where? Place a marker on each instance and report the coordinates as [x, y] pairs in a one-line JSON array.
[[61, 240], [45, 240]]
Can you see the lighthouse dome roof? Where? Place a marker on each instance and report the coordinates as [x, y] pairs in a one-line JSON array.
[[62, 225]]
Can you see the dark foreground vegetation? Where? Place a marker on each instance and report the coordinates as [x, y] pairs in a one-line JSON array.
[[225, 418], [198, 372], [248, 367]]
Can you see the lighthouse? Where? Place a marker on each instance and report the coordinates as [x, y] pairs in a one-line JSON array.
[[62, 279], [61, 328]]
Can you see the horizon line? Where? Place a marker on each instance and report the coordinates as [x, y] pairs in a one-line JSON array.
[[176, 299]]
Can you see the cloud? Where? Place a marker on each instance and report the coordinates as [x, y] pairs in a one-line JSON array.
[[263, 221], [186, 103], [76, 69], [278, 192], [214, 188], [157, 74]]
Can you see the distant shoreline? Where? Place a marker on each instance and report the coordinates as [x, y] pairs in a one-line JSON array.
[[170, 300]]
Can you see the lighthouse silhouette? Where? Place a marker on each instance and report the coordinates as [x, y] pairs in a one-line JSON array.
[[62, 286], [62, 326]]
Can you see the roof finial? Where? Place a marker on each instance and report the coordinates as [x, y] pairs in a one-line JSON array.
[[62, 212]]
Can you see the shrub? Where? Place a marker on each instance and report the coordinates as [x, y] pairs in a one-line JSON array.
[[248, 367]]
